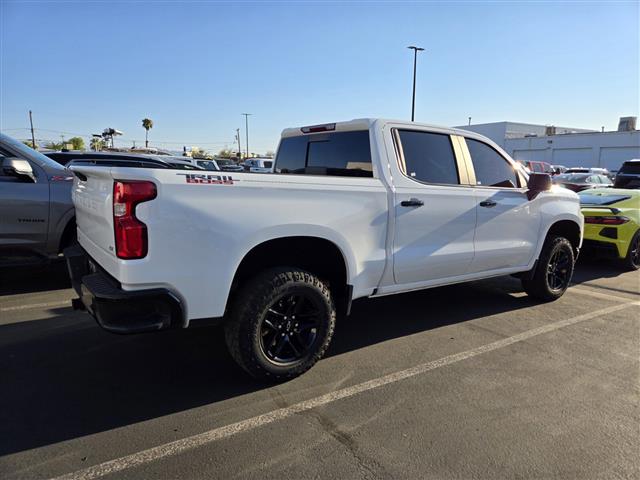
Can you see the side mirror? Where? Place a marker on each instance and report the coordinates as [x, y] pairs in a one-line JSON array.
[[538, 182], [16, 167]]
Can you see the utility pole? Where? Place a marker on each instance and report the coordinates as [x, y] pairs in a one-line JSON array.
[[33, 137], [469, 120], [246, 126], [415, 60], [239, 147]]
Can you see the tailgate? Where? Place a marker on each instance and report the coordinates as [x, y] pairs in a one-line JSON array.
[[92, 197]]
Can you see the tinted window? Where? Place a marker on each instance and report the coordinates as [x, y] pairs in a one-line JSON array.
[[206, 165], [268, 164], [343, 153], [492, 169], [340, 153], [292, 155], [429, 157], [630, 168]]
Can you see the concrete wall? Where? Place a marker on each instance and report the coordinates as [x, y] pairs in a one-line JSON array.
[[499, 132], [608, 149]]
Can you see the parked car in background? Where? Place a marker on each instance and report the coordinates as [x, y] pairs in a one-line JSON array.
[[63, 158], [258, 165], [581, 181], [558, 169], [597, 170], [629, 175], [203, 163], [37, 219], [538, 167], [354, 209], [227, 165], [612, 223]]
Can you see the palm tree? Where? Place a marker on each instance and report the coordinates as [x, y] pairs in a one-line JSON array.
[[96, 144], [147, 123]]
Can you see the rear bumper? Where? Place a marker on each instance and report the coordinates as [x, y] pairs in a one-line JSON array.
[[117, 310]]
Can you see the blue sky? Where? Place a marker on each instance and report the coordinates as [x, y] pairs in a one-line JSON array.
[[194, 67]]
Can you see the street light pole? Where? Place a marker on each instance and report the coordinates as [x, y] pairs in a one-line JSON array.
[[246, 127], [415, 60], [33, 137]]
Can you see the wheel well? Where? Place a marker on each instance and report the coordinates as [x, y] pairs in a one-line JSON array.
[[569, 230], [316, 255], [68, 234]]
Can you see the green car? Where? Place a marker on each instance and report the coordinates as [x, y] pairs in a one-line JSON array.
[[612, 223]]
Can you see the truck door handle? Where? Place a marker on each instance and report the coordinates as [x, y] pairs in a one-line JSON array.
[[412, 202], [488, 204]]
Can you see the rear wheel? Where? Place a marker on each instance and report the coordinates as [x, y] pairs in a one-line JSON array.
[[280, 324], [553, 271], [632, 260]]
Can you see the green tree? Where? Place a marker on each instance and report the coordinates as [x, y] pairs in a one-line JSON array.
[[202, 154], [28, 143], [54, 146], [76, 142], [96, 144], [147, 124]]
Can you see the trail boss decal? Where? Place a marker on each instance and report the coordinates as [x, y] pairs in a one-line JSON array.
[[208, 179]]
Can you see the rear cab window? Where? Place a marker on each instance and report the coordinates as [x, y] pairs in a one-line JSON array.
[[345, 154]]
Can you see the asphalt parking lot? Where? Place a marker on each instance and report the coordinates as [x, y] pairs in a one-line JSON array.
[[467, 381]]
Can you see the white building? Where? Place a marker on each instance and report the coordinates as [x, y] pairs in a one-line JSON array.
[[571, 147]]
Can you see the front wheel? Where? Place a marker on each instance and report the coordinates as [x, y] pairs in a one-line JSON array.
[[553, 271], [280, 324]]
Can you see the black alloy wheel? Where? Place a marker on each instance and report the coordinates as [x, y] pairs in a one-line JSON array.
[[559, 270], [289, 328]]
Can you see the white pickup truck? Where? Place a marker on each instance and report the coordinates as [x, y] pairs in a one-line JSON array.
[[362, 208]]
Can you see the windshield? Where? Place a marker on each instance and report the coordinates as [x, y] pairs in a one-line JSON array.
[[21, 150], [589, 198]]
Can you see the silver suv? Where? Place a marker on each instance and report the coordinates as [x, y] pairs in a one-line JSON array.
[[37, 218]]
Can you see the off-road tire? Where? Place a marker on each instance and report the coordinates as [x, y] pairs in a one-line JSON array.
[[249, 307], [631, 261], [537, 285]]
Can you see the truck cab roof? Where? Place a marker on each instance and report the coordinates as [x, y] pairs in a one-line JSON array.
[[367, 123]]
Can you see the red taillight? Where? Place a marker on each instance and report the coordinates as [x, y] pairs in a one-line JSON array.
[[130, 233], [612, 220]]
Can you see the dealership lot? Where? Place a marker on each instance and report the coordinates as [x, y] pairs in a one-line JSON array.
[[463, 381]]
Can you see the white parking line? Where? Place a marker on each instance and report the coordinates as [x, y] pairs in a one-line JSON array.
[[179, 446], [66, 303]]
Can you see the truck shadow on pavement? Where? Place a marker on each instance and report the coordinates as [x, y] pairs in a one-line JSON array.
[[63, 377], [34, 278]]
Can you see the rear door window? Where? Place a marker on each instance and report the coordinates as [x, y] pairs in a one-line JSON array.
[[345, 154], [492, 169], [428, 157]]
